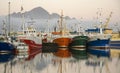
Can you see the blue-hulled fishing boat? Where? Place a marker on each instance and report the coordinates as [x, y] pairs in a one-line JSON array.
[[99, 52], [99, 42], [99, 47], [6, 57], [98, 38], [6, 47], [7, 52]]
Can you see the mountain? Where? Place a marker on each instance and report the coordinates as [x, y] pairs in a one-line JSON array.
[[38, 13]]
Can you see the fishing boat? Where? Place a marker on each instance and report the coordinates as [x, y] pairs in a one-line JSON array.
[[5, 42], [99, 40], [115, 45], [98, 43], [79, 41], [115, 40], [30, 37], [78, 47], [7, 50], [6, 57], [114, 52], [32, 54], [29, 34], [63, 53], [25, 54], [6, 47], [22, 50], [49, 47], [62, 40], [99, 52]]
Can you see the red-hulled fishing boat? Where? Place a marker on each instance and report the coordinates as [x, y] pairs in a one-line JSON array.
[[25, 53], [30, 37]]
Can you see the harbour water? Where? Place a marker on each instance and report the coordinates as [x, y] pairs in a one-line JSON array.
[[49, 63]]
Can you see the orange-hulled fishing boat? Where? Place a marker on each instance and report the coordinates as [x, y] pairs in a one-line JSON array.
[[63, 53], [63, 41], [63, 50]]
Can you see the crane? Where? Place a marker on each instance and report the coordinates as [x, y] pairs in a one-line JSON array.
[[107, 21]]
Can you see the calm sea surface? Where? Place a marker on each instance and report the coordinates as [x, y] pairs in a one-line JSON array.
[[49, 63]]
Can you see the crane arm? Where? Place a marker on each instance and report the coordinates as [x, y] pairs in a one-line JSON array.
[[107, 21]]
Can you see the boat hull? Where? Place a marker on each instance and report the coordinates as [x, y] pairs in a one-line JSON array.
[[32, 54], [49, 47], [79, 53], [27, 54], [62, 42], [63, 53], [99, 43], [79, 41], [115, 44], [114, 52], [6, 47], [99, 52], [115, 47], [32, 45], [78, 47], [6, 57]]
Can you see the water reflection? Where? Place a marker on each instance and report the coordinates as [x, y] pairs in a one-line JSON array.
[[5, 57], [36, 62]]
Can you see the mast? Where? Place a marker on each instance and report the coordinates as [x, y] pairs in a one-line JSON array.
[[61, 66], [61, 23], [99, 16], [22, 16], [4, 29], [61, 19], [9, 28]]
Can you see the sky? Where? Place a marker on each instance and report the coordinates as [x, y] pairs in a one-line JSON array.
[[73, 8]]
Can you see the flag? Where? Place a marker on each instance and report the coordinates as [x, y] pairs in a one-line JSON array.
[[21, 8]]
